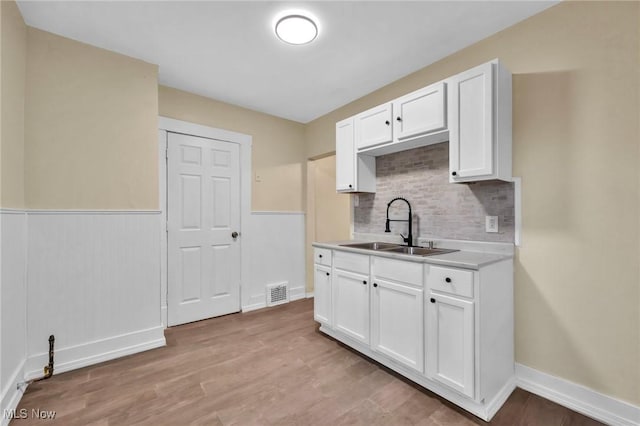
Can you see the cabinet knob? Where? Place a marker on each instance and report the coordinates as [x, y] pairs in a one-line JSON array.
[[364, 282], [454, 174], [433, 300], [398, 118], [375, 285], [387, 122], [320, 256], [327, 274], [350, 186], [448, 279]]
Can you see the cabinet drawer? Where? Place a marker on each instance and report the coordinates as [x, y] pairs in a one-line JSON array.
[[453, 281], [397, 270], [322, 256], [351, 262]]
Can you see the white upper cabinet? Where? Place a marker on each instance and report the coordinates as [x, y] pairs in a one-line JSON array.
[[354, 173], [472, 110], [480, 124], [345, 156], [373, 127], [420, 112], [416, 119]]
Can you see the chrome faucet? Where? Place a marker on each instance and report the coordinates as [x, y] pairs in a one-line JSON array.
[[409, 238]]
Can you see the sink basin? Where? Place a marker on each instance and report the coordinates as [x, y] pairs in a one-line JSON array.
[[418, 251], [372, 246]]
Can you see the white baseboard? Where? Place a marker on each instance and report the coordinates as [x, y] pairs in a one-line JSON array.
[[296, 293], [72, 358], [577, 397], [309, 295], [163, 316], [254, 306], [11, 395]]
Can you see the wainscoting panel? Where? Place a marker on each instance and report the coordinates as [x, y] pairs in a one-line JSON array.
[[94, 283], [13, 307], [277, 255]]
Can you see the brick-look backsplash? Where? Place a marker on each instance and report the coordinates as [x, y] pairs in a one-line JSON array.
[[440, 209]]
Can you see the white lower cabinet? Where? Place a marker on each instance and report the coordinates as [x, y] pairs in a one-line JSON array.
[[447, 329], [351, 304], [322, 294], [397, 322], [450, 342]]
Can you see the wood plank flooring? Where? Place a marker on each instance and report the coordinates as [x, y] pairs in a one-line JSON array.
[[267, 367]]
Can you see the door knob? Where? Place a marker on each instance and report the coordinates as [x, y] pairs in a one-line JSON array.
[[234, 235]]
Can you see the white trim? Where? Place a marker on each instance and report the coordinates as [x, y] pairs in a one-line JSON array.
[[12, 211], [192, 129], [254, 307], [245, 142], [97, 351], [517, 207], [267, 213], [577, 397], [90, 212], [162, 198], [12, 393], [296, 293], [309, 295]]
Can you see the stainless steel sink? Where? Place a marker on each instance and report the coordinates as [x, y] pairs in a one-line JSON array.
[[372, 246], [418, 251]]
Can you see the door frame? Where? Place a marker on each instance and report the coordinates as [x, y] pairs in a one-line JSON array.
[[169, 125]]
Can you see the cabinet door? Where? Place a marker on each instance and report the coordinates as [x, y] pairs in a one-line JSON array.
[[397, 323], [322, 294], [471, 124], [450, 342], [420, 112], [351, 304], [345, 156], [373, 127]]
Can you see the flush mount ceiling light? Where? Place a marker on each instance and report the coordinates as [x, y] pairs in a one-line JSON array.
[[296, 28]]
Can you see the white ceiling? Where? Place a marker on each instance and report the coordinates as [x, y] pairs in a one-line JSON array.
[[228, 50]]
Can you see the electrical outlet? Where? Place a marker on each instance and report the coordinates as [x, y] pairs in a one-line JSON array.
[[258, 178], [491, 223]]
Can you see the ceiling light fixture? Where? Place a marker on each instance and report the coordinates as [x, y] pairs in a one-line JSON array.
[[296, 28]]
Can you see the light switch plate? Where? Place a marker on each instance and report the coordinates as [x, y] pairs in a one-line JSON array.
[[356, 200], [491, 223]]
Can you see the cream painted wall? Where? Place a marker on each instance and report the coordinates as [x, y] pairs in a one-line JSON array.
[[576, 72], [91, 127], [12, 82], [278, 151], [328, 213]]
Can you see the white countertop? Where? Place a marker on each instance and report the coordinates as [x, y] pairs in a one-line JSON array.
[[458, 259]]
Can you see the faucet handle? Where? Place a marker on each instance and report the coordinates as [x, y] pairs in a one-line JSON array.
[[404, 238]]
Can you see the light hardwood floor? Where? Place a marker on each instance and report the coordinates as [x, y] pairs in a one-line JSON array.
[[264, 367]]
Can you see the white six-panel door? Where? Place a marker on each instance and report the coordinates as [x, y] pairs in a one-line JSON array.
[[203, 215]]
